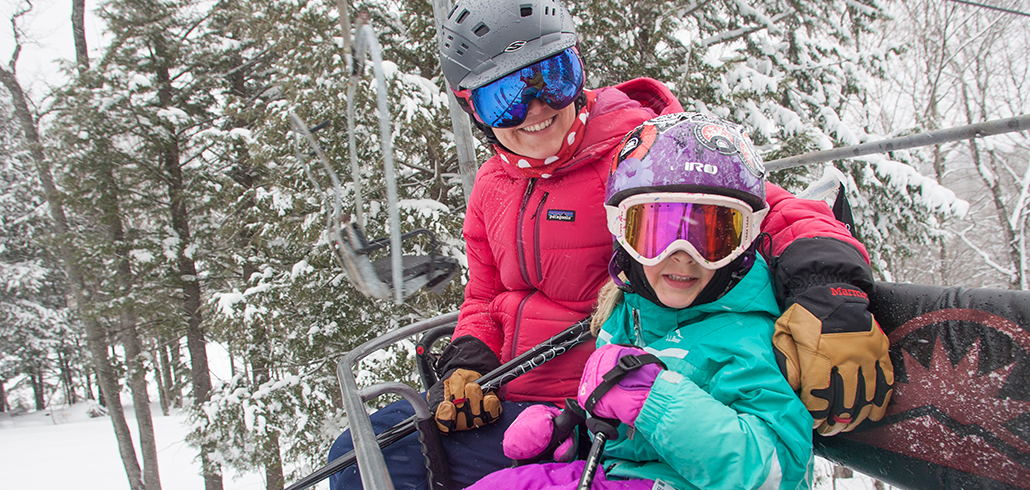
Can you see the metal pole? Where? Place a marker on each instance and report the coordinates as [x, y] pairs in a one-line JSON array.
[[366, 37], [989, 128], [352, 145], [363, 442], [464, 142]]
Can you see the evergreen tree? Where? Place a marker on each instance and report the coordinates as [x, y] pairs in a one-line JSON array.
[[292, 310], [35, 331]]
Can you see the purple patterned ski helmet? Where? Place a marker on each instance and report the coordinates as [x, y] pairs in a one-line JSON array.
[[687, 152]]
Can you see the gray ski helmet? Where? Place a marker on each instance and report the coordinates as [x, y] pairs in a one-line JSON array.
[[687, 152], [483, 40]]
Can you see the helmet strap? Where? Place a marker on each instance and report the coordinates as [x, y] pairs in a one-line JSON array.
[[638, 283], [727, 277]]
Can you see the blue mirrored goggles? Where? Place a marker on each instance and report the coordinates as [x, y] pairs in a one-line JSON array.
[[503, 103]]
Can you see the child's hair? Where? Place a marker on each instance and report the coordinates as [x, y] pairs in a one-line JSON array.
[[687, 154], [609, 296]]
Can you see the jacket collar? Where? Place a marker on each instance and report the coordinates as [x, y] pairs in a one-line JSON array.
[[753, 294]]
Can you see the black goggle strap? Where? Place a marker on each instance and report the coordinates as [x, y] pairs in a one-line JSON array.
[[626, 365], [564, 424]]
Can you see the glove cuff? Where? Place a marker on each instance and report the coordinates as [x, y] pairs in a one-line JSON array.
[[819, 261], [465, 352]]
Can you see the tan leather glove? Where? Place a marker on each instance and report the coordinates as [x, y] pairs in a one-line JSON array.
[[833, 352], [464, 405]]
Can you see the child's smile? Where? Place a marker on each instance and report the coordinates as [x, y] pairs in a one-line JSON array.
[[678, 279]]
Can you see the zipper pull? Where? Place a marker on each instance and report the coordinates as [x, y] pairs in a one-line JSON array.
[[529, 192], [543, 199]]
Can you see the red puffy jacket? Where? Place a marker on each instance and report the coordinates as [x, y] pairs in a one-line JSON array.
[[538, 249]]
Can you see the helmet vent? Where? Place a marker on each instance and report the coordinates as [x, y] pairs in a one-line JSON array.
[[481, 30], [526, 10], [462, 16]]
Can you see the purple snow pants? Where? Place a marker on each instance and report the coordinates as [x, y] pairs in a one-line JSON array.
[[554, 476], [471, 454]]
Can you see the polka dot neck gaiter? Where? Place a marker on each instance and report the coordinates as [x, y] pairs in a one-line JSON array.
[[546, 167]]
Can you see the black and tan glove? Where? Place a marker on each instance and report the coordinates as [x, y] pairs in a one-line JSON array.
[[465, 406], [458, 402], [829, 347]]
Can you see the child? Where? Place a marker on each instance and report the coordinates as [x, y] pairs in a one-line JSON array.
[[685, 200]]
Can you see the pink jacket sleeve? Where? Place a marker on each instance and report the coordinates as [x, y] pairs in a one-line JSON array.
[[791, 218], [483, 286]]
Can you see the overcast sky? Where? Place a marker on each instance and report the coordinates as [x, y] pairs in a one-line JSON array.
[[48, 38]]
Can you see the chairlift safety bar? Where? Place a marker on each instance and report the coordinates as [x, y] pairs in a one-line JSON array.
[[370, 459], [989, 128]]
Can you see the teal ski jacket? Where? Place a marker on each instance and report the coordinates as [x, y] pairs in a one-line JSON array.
[[721, 415]]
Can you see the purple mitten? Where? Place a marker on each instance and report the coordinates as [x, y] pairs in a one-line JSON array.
[[531, 432], [625, 400]]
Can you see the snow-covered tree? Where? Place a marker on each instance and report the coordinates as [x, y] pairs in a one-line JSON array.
[[284, 305], [36, 338], [965, 65]]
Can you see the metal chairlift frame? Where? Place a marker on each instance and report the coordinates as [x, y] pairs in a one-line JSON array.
[[401, 275]]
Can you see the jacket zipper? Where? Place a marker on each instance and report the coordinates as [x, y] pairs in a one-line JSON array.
[[536, 238], [638, 329], [523, 268], [515, 336]]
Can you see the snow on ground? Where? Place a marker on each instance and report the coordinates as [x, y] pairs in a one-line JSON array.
[[65, 448]]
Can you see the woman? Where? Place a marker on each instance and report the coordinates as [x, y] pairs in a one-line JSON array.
[[538, 246]]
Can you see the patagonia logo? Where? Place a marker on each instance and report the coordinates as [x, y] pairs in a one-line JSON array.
[[560, 215], [849, 292]]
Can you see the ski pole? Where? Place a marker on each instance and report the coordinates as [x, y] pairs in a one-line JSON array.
[[603, 430], [525, 362], [606, 428]]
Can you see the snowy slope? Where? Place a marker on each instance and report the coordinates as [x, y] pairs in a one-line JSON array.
[[67, 449]]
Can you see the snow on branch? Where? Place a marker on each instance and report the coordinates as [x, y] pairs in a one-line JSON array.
[[769, 23], [934, 195], [1008, 272]]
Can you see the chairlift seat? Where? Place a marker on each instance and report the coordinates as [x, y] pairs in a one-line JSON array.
[[374, 278]]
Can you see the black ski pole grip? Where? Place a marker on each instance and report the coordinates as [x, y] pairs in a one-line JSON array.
[[437, 469], [568, 419], [603, 430]]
